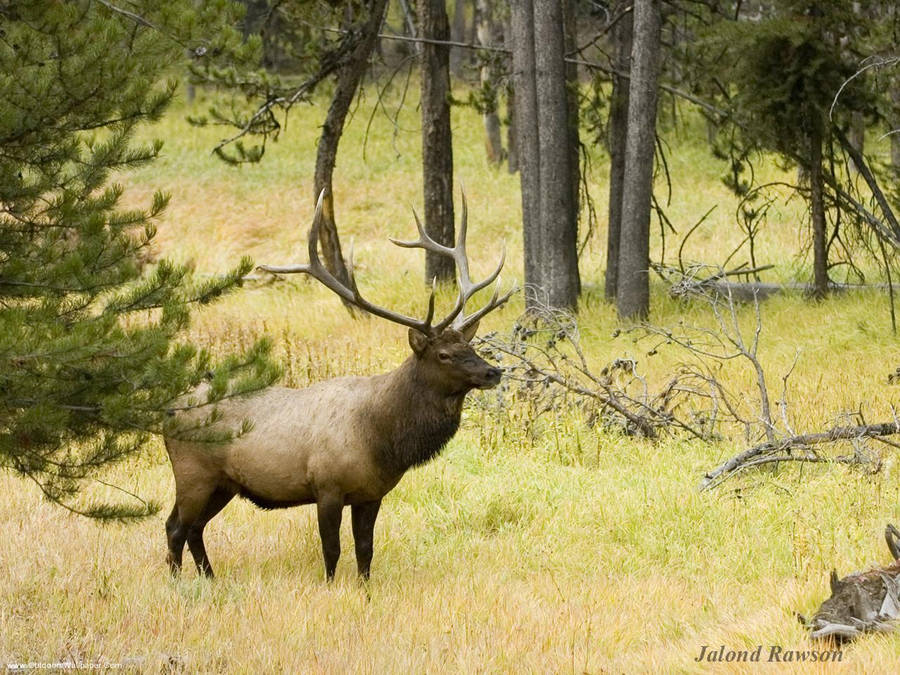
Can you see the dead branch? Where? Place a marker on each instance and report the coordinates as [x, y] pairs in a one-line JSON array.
[[867, 175], [767, 452], [545, 366], [725, 342], [706, 281]]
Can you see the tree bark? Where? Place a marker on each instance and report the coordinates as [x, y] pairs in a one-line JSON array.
[[526, 126], [348, 80], [458, 34], [437, 143], [817, 212], [489, 35], [512, 152], [618, 130], [857, 136], [895, 119], [633, 289], [570, 44]]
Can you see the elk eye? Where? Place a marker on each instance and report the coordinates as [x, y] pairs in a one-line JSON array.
[[444, 356]]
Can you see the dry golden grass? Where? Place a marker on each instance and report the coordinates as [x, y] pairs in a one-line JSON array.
[[568, 550]]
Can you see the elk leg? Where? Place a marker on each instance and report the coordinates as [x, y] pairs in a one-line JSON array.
[[217, 501], [176, 536], [329, 510], [364, 516]]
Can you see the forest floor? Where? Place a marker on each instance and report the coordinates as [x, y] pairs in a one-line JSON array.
[[528, 545]]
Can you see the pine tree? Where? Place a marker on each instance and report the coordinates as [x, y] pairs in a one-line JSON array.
[[783, 70], [90, 363]]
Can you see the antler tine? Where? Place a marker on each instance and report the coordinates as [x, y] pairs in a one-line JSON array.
[[462, 322], [466, 290], [430, 315], [318, 271], [424, 241]]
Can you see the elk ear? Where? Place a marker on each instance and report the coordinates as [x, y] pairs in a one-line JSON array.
[[469, 331], [418, 341], [835, 582]]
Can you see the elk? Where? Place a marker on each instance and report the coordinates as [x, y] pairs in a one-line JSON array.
[[861, 602], [345, 441]]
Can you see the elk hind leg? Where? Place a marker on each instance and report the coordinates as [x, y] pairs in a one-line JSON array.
[[364, 516], [329, 508]]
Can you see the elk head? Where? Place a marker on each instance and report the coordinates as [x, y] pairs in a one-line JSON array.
[[442, 348]]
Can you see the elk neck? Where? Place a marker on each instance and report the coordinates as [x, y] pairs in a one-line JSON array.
[[414, 419]]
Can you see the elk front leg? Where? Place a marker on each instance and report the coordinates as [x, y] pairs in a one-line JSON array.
[[176, 535], [364, 516], [329, 511]]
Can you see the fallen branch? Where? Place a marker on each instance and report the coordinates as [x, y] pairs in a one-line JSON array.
[[758, 454], [697, 281]]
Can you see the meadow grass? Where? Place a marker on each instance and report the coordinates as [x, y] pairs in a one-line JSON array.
[[552, 548]]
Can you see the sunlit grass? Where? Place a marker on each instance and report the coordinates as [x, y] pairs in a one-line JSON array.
[[564, 549]]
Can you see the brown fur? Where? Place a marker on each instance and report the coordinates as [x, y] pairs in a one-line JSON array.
[[346, 441]]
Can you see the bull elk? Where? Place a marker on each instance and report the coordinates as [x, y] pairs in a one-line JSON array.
[[343, 442]]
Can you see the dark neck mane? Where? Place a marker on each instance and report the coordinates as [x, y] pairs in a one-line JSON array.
[[419, 420]]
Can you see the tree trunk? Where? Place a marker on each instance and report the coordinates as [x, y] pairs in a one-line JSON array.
[[570, 45], [857, 136], [633, 289], [526, 126], [254, 18], [348, 79], [410, 24], [437, 143], [544, 145], [558, 212], [512, 152], [817, 212], [458, 34], [488, 35], [618, 129], [895, 119]]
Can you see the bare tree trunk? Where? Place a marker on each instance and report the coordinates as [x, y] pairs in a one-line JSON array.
[[895, 119], [526, 126], [618, 129], [633, 290], [817, 212], [512, 152], [489, 35], [857, 136], [558, 211], [437, 143], [348, 80], [570, 44], [543, 142], [409, 24], [458, 34]]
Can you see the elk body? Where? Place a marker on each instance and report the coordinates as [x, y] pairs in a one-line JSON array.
[[342, 442]]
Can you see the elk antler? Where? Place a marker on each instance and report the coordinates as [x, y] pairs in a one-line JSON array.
[[351, 294], [467, 288], [893, 540]]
